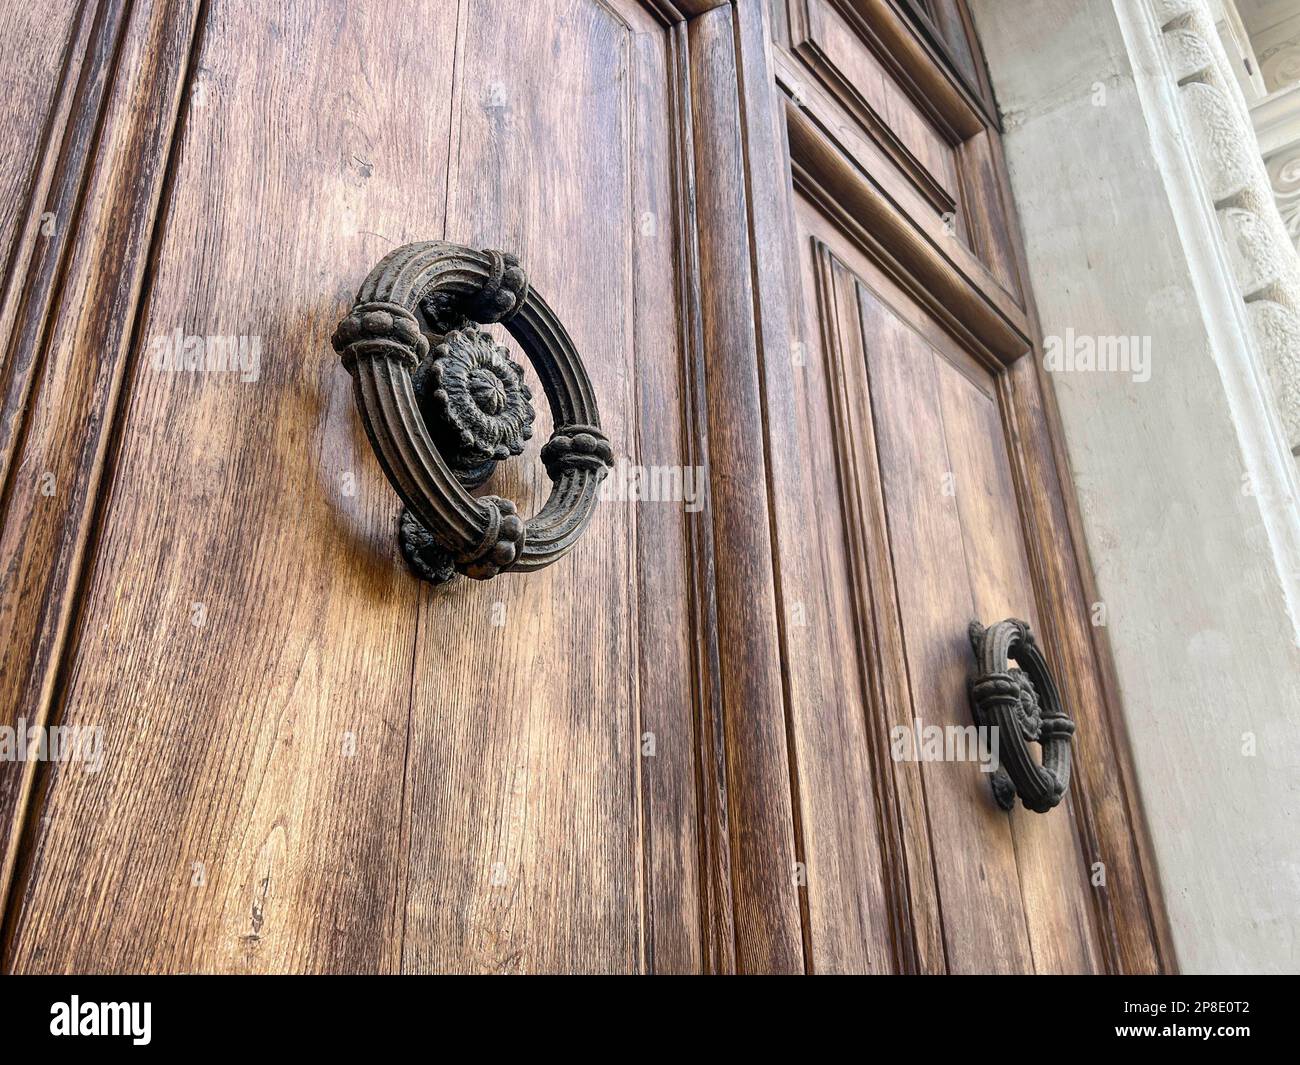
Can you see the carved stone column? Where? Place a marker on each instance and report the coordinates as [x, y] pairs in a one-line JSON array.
[[1263, 256]]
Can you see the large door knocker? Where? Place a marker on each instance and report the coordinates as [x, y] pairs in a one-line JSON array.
[[443, 403], [1024, 706]]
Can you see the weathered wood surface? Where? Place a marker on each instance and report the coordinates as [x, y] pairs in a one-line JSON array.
[[319, 764], [668, 752], [68, 354]]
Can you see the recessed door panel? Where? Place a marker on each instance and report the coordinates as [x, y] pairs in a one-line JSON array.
[[916, 421]]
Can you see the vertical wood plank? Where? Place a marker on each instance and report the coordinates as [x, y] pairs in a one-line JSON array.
[[65, 358], [542, 838], [857, 909], [984, 921], [47, 48], [245, 642], [675, 636], [1129, 917], [524, 843], [718, 927], [1053, 879], [727, 138], [916, 895]]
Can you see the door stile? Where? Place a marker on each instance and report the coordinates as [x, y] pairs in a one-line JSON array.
[[118, 157], [743, 312], [717, 919]]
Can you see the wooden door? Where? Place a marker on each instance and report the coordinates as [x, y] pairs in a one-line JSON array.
[[779, 239], [314, 762], [937, 498]]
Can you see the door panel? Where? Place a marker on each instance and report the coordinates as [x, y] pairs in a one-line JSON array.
[[245, 619], [526, 835], [838, 54], [913, 363], [1011, 890], [1053, 880], [318, 763]]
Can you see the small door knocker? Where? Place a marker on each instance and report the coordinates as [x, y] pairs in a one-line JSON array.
[[443, 403], [1024, 706]]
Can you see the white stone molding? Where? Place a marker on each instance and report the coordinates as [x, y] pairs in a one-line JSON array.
[[1277, 127], [1229, 160], [1258, 262], [1236, 41], [1277, 330], [1284, 173], [1255, 380], [1261, 251], [1274, 29], [1279, 56], [1277, 121]]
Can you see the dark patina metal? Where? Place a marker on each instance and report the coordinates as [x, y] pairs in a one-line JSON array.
[[442, 403], [1022, 703]]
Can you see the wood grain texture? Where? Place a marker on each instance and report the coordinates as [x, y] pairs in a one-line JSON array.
[[717, 907], [768, 922], [833, 50], [41, 78], [246, 642], [1054, 882], [987, 211], [942, 272], [880, 85], [531, 846], [68, 353], [39, 180], [973, 850], [1130, 924], [947, 29], [667, 753], [382, 777], [857, 800], [688, 926], [1041, 860], [917, 65]]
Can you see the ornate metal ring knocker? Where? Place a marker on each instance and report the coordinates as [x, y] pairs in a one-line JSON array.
[[1024, 706], [443, 403]]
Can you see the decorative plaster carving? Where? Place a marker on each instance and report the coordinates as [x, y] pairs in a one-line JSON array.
[[1277, 126], [1280, 64], [1188, 52], [1226, 158], [1284, 173], [1274, 29], [1277, 331], [1258, 244], [1258, 262], [1168, 10], [1277, 121]]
